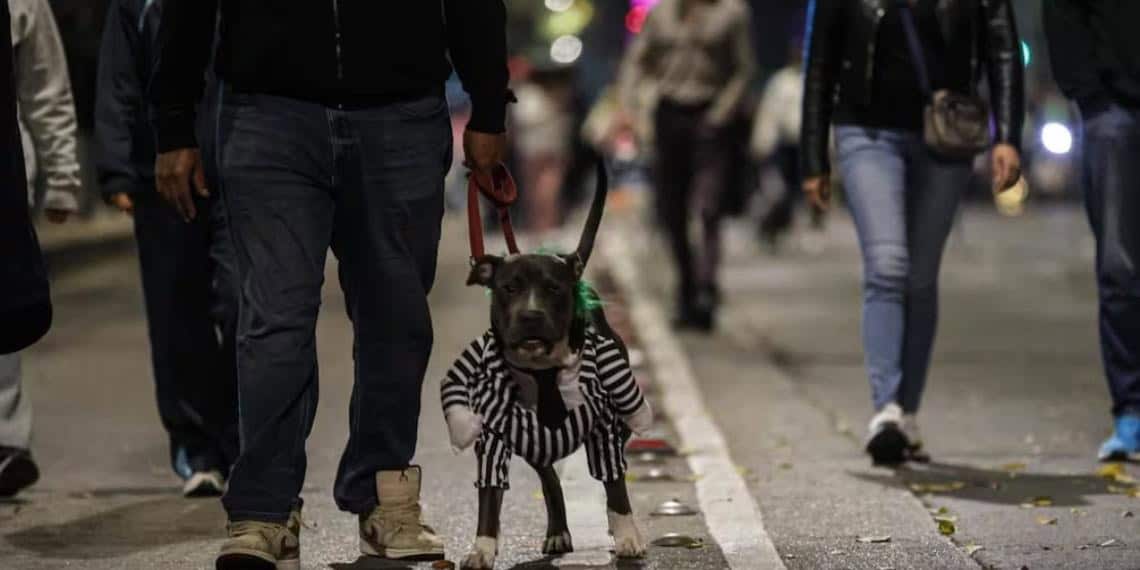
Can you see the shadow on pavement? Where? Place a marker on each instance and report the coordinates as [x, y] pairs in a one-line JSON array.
[[126, 529], [371, 563], [997, 486]]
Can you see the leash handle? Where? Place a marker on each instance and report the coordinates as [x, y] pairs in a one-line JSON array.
[[499, 187]]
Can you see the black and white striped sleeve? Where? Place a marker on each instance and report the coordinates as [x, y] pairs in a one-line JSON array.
[[454, 389], [617, 377]]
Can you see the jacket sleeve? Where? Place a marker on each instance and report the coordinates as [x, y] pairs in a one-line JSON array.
[[46, 105], [477, 43], [823, 44], [743, 66], [1005, 71], [119, 100], [185, 37], [1072, 53]]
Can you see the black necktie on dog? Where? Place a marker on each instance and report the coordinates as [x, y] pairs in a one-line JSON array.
[[550, 407]]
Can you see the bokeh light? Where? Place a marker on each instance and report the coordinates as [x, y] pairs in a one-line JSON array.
[[1056, 138]]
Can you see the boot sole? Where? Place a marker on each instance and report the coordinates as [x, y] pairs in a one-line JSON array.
[[19, 473], [888, 447], [413, 555], [254, 561]]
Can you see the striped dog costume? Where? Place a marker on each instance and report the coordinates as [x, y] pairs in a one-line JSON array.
[[601, 397]]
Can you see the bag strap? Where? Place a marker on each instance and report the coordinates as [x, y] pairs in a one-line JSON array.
[[914, 44]]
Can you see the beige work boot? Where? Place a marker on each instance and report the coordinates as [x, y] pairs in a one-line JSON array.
[[256, 545], [394, 528]]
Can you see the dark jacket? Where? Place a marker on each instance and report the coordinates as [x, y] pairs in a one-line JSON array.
[[125, 151], [25, 304], [336, 52], [1094, 48], [840, 63]]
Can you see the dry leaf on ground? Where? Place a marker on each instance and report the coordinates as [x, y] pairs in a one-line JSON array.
[[937, 487], [973, 549], [1044, 520], [874, 539]]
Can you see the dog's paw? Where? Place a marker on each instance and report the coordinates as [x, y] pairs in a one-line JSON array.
[[641, 420], [558, 543], [628, 542], [482, 554]]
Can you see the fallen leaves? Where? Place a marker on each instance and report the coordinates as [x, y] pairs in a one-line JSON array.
[[972, 549], [1046, 521], [1041, 501], [937, 487], [1133, 492], [873, 539], [1110, 542], [1115, 472], [1013, 468], [1126, 515], [946, 525]]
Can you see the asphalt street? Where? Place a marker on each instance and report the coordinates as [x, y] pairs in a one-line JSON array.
[[1015, 409]]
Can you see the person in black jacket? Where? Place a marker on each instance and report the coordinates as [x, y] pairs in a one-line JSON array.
[[862, 78], [187, 268], [333, 131], [1095, 55], [25, 300]]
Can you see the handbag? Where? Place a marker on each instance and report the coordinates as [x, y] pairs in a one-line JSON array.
[[954, 125]]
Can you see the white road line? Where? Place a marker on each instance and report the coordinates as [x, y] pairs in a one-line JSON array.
[[730, 511], [585, 513]]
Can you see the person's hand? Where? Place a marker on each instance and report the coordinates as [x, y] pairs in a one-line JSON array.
[[122, 201], [57, 216], [482, 151], [174, 172], [818, 190], [1006, 165]]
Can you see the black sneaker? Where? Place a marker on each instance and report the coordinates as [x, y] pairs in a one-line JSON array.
[[17, 470], [886, 442]]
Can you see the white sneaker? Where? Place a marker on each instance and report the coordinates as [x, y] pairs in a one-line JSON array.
[[204, 484], [914, 450], [886, 442]]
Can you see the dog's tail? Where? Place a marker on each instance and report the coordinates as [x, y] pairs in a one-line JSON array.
[[594, 219]]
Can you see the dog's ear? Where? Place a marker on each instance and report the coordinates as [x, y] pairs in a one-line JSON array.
[[483, 270], [576, 264]]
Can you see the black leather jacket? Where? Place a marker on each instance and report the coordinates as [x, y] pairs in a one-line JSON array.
[[978, 34]]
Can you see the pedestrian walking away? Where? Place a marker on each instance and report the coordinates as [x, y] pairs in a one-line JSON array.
[[698, 57], [187, 267], [332, 131], [1095, 54], [48, 132], [872, 69]]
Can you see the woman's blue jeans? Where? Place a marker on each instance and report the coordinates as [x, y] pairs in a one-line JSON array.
[[903, 201]]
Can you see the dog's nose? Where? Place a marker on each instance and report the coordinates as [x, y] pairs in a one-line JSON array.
[[531, 316]]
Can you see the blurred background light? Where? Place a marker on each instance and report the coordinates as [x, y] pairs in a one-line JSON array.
[[566, 49], [570, 21], [635, 18], [559, 5], [1026, 54], [1056, 138]]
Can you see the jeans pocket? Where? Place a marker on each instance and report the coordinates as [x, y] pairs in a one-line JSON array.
[[422, 107]]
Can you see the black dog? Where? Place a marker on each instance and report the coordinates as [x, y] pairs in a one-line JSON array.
[[549, 376]]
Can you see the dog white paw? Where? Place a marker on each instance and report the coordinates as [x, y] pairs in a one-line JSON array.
[[641, 420], [558, 544], [482, 554], [628, 542]]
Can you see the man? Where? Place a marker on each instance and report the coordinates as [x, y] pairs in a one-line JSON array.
[[333, 130], [698, 57], [1095, 54], [48, 128], [187, 268]]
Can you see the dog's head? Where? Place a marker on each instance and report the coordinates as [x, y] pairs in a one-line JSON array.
[[533, 295]]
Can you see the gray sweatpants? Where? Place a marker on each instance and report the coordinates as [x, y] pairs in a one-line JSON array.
[[15, 409]]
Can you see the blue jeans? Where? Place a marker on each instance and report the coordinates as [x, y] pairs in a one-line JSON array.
[[1112, 199], [297, 178], [903, 202]]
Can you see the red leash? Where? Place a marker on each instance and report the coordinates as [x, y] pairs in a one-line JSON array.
[[499, 187]]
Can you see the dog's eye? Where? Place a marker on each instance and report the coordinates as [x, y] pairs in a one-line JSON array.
[[510, 289]]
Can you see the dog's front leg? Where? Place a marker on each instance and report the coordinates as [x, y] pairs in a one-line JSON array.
[[628, 542], [557, 529], [486, 547]]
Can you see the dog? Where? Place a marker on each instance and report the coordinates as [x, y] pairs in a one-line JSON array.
[[547, 378]]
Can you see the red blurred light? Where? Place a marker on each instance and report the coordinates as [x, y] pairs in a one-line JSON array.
[[635, 18]]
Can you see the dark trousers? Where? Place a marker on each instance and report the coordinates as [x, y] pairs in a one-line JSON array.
[[690, 171], [299, 177], [1112, 198], [191, 308]]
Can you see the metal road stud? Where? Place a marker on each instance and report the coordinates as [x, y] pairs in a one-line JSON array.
[[673, 508]]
